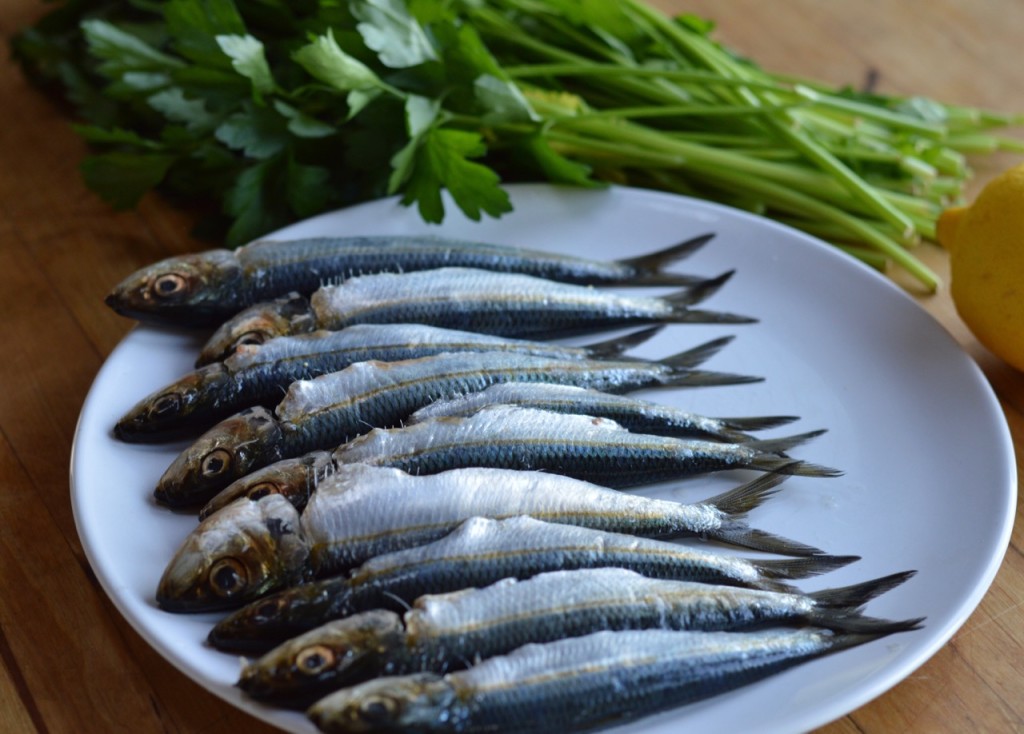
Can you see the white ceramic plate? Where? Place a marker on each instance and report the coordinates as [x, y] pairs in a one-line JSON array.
[[929, 478]]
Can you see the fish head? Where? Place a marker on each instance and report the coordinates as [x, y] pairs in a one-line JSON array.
[[391, 704], [241, 553], [275, 618], [294, 479], [231, 449], [257, 325], [202, 396], [194, 289], [340, 653]]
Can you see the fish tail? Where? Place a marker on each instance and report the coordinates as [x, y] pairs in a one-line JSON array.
[[705, 378], [857, 595], [610, 348], [697, 355], [793, 569], [757, 423], [744, 536], [785, 465], [855, 629], [698, 292], [780, 446], [681, 313], [649, 269], [739, 501]]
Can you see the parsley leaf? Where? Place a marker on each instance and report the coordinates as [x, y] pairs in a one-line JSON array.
[[388, 28], [248, 58], [442, 161]]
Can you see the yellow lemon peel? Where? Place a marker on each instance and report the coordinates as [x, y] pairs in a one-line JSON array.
[[985, 241]]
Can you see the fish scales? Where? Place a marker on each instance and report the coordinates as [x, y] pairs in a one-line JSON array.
[[504, 304], [577, 683], [478, 300], [329, 409], [444, 632], [638, 416], [594, 449], [205, 288], [260, 374], [252, 546], [481, 551], [364, 511]]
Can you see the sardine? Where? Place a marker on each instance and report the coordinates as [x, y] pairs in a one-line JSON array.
[[597, 450], [446, 632], [327, 410], [205, 288], [578, 683], [633, 414], [361, 512], [503, 304], [482, 551], [260, 374]]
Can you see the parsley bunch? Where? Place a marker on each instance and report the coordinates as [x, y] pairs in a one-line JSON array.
[[273, 111]]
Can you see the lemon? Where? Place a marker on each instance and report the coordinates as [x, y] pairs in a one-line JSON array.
[[986, 248]]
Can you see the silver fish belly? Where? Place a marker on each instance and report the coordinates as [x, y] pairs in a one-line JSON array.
[[322, 412], [364, 511], [503, 304], [634, 414], [260, 374], [576, 684], [481, 551], [205, 288], [594, 449], [444, 632]]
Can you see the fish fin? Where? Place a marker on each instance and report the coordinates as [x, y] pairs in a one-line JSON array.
[[705, 378], [649, 269], [682, 314], [758, 423], [780, 446], [785, 465], [792, 569], [862, 624], [697, 355], [698, 292], [738, 501], [743, 535], [615, 347], [858, 629], [857, 595]]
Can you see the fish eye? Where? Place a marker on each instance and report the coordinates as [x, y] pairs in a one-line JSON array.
[[169, 285], [216, 463], [166, 405], [261, 490], [314, 659], [252, 338], [227, 577], [377, 709], [266, 611]]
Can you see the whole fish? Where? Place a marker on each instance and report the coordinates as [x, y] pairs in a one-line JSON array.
[[578, 683], [480, 552], [503, 304], [597, 450], [260, 374], [446, 632], [207, 287], [633, 414], [594, 449], [325, 411], [361, 512]]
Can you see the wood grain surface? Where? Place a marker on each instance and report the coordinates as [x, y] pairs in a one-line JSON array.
[[70, 663]]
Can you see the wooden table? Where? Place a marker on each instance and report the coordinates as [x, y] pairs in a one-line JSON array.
[[70, 662]]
